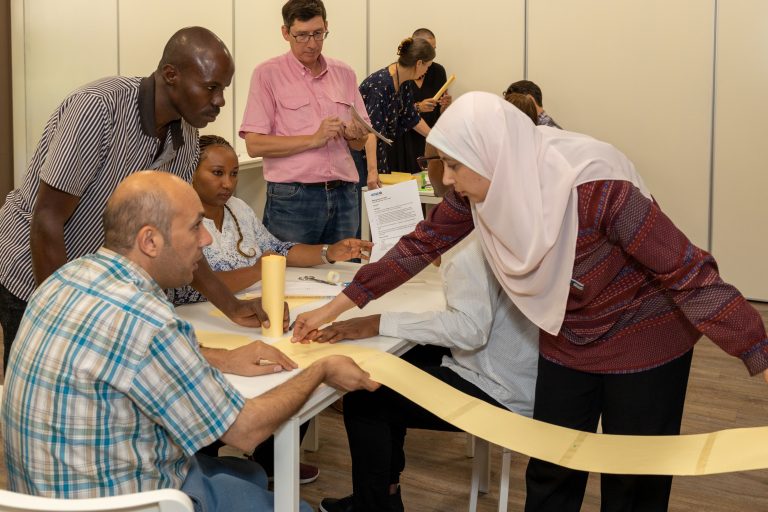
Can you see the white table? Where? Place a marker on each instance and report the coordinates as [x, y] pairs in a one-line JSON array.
[[423, 293]]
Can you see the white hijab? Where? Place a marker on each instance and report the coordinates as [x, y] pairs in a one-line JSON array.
[[528, 222]]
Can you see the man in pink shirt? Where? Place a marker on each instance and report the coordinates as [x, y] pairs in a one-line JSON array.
[[298, 119]]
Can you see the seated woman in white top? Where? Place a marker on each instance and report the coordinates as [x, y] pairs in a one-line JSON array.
[[239, 237]]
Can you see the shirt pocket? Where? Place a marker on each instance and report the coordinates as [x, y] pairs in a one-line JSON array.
[[341, 108], [296, 115]]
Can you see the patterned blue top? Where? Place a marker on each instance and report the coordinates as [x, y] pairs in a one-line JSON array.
[[106, 391], [391, 113], [222, 254]]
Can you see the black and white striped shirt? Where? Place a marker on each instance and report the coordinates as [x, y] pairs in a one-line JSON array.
[[100, 134]]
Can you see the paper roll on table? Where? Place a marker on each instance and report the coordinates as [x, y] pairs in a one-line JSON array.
[[273, 293]]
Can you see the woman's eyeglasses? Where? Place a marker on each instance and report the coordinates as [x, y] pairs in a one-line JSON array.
[[423, 161]]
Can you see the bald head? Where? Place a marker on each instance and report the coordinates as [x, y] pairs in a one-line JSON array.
[[192, 46], [145, 198]]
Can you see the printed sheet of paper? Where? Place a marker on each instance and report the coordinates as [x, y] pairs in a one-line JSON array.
[[393, 211], [357, 117]]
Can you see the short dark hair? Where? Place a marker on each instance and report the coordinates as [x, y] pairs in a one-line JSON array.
[[302, 10], [412, 50], [526, 87], [423, 33], [185, 45], [524, 103]]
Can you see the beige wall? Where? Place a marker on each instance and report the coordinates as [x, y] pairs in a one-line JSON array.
[[626, 73], [6, 119], [641, 75], [739, 232]]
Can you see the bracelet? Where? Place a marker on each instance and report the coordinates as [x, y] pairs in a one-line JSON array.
[[324, 255], [417, 107]]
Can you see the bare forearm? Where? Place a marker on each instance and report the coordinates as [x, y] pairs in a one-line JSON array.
[[240, 278], [370, 153], [47, 246], [278, 145], [217, 357], [422, 128], [208, 283], [262, 415], [304, 255]]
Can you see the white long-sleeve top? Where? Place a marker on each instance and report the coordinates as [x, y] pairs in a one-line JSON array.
[[493, 345]]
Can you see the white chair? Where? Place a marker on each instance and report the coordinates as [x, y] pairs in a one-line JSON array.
[[481, 472], [164, 500]]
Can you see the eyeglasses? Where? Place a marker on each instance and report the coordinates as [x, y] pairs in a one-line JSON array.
[[423, 161], [317, 36]]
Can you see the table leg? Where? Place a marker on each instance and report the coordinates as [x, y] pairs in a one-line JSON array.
[[287, 452]]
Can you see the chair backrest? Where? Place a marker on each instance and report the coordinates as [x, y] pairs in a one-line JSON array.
[[164, 500]]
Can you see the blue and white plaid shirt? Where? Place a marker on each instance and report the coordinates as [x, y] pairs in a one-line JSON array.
[[106, 391]]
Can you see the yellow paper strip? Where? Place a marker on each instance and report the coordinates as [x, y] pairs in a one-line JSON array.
[[210, 339], [725, 451], [273, 293], [444, 87]]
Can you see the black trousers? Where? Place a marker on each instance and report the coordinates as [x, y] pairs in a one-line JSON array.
[[11, 310], [376, 426], [643, 403]]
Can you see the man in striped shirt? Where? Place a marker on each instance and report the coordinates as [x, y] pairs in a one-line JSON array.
[[100, 134], [108, 391]]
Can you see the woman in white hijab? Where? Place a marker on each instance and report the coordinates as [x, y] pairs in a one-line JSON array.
[[619, 293]]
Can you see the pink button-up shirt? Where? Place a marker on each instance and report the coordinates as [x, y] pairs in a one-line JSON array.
[[285, 99]]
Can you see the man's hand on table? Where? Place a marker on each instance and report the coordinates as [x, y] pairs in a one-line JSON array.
[[307, 324], [353, 329], [250, 313], [256, 358], [342, 373]]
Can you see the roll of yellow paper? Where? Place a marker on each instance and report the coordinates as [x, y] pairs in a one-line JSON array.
[[738, 449], [273, 293]]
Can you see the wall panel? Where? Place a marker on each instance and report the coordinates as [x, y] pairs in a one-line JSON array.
[[481, 43], [637, 75], [66, 45], [145, 27], [739, 235]]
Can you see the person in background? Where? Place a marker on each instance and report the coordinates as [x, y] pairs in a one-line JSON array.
[[534, 91], [579, 245], [391, 106], [130, 394], [410, 145], [239, 238], [298, 119], [100, 134], [525, 104]]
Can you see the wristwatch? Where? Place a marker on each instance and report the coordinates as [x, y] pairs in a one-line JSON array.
[[324, 255]]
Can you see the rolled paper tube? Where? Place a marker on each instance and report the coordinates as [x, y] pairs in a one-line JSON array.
[[444, 87], [273, 293]]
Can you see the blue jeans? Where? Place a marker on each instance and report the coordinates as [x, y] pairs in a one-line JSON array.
[[224, 484], [295, 212]]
